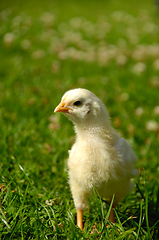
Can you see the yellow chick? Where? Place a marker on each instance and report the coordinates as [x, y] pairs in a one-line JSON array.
[[99, 158]]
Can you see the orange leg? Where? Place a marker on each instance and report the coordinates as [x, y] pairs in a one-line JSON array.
[[111, 216], [80, 218]]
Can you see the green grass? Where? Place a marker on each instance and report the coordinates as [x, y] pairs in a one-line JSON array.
[[109, 47]]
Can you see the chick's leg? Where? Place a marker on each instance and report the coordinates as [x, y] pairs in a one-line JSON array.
[[112, 216], [80, 218], [80, 199]]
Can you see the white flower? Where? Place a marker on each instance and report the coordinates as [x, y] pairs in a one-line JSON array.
[[50, 202], [16, 21], [25, 44], [46, 35], [90, 56], [140, 52], [152, 125], [124, 96], [28, 21], [156, 64], [139, 68], [38, 54], [76, 22], [63, 55], [121, 59], [102, 56], [118, 15], [156, 110], [8, 39], [132, 35], [47, 19], [155, 82], [153, 50], [139, 111], [150, 27]]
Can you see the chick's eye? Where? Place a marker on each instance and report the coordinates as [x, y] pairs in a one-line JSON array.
[[77, 103]]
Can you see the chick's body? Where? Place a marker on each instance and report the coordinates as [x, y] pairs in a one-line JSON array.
[[99, 158]]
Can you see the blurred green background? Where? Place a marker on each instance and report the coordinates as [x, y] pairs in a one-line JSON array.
[[46, 48]]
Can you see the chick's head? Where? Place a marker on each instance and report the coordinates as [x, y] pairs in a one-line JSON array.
[[81, 106]]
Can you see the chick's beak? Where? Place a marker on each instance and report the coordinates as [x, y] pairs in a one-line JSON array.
[[62, 107]]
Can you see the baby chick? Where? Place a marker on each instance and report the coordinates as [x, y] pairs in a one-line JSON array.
[[99, 158]]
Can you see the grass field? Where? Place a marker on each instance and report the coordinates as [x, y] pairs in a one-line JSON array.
[[109, 47]]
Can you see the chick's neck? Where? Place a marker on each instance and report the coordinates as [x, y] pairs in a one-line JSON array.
[[105, 132]]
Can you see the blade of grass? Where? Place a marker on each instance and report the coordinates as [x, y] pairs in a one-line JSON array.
[[147, 212], [140, 220], [108, 213]]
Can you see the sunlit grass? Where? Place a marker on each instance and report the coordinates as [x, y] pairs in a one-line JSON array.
[[112, 51]]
